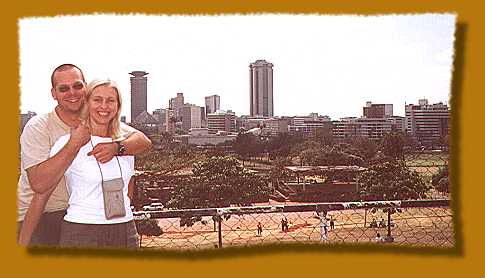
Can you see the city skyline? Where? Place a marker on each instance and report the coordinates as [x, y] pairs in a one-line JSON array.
[[331, 65]]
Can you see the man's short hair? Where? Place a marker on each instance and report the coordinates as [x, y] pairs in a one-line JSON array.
[[64, 67]]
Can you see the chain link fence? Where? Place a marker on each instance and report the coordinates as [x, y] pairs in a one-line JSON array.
[[408, 223]]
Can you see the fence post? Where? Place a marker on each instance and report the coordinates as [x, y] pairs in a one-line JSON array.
[[218, 216], [389, 237], [219, 230]]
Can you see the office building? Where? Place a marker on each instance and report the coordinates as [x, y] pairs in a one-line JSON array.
[[221, 121], [427, 123], [398, 123], [371, 128], [274, 126], [212, 104], [309, 125], [176, 104], [166, 119], [270, 126], [160, 115], [191, 117], [138, 82], [261, 88], [377, 110], [202, 137]]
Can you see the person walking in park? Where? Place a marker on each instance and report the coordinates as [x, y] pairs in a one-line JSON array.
[[260, 229], [378, 238], [332, 223]]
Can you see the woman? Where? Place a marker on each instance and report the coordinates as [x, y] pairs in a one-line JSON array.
[[99, 213]]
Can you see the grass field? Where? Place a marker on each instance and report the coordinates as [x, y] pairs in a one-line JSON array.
[[431, 227]]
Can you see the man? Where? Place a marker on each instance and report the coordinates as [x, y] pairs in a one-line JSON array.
[[40, 173], [382, 223], [378, 238]]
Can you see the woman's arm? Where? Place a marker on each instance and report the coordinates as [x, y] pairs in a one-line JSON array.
[[131, 187], [33, 215]]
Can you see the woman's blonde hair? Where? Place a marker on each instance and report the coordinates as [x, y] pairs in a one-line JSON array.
[[114, 125]]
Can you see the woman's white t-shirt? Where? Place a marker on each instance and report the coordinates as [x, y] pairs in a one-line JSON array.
[[83, 180]]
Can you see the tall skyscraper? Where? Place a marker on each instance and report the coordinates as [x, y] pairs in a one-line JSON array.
[[212, 104], [261, 88], [176, 104], [138, 82]]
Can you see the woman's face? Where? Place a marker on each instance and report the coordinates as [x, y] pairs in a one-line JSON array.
[[103, 105]]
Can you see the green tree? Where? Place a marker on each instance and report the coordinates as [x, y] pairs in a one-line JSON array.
[[167, 160], [324, 135], [310, 156], [180, 131], [391, 181], [247, 145], [148, 227], [441, 181], [281, 145], [393, 145], [366, 148], [278, 173], [332, 156], [218, 182]]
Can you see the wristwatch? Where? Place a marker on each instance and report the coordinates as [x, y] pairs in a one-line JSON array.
[[121, 148]]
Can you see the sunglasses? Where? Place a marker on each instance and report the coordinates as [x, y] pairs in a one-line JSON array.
[[76, 86]]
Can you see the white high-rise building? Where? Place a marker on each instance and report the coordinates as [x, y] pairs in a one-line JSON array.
[[191, 117], [427, 123]]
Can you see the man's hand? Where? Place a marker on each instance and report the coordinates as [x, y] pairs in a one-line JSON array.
[[80, 136], [45, 176], [104, 152]]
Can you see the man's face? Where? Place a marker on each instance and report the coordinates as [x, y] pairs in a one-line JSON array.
[[69, 90]]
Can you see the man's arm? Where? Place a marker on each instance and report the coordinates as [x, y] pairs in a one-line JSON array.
[[135, 143], [33, 215], [47, 174]]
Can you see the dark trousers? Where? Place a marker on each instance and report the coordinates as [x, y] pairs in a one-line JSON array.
[[48, 231], [121, 235]]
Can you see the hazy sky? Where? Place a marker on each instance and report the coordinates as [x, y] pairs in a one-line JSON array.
[[330, 65]]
